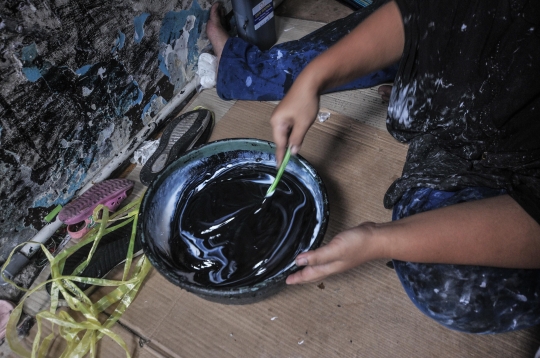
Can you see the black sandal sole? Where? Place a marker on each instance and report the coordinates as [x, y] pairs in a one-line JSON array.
[[183, 133], [111, 252]]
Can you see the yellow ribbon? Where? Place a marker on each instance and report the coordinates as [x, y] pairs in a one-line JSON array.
[[82, 337]]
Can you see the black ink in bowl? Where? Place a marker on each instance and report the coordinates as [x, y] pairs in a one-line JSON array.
[[206, 226]]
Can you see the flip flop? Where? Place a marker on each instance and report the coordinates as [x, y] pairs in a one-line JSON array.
[[111, 252], [78, 213], [185, 132]]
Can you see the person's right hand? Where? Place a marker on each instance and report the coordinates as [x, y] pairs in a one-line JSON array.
[[293, 116], [348, 249]]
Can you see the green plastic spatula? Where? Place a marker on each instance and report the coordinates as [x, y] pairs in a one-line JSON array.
[[281, 169]]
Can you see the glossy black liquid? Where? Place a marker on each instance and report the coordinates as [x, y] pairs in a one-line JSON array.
[[229, 235]]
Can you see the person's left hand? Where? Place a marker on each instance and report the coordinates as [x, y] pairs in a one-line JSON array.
[[348, 249], [294, 115]]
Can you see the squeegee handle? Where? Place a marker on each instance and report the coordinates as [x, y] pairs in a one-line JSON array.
[[20, 259], [17, 263]]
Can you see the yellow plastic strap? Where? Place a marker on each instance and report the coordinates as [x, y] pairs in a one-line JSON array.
[[81, 337]]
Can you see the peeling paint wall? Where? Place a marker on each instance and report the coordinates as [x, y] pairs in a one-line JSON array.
[[78, 78]]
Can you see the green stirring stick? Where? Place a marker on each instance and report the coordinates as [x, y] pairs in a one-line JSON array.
[[281, 169]]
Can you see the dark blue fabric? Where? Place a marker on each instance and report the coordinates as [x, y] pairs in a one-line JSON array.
[[247, 73], [474, 299]]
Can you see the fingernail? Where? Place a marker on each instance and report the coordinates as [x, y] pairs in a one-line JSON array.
[[301, 262], [294, 150], [287, 281]]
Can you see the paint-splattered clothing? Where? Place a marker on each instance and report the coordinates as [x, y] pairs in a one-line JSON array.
[[466, 298], [467, 98], [247, 73], [472, 137]]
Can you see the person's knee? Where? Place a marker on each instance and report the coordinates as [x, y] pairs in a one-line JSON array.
[[473, 299]]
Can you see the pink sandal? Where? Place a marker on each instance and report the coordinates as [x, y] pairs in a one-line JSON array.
[[78, 213]]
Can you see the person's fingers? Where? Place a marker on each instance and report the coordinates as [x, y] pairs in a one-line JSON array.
[[319, 263], [281, 130], [385, 92], [291, 120], [323, 255], [297, 135], [313, 273], [310, 274]]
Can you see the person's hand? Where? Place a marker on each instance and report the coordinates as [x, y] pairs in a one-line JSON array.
[[348, 249], [292, 118], [385, 91]]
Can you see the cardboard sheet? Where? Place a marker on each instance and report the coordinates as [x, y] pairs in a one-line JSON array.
[[360, 313]]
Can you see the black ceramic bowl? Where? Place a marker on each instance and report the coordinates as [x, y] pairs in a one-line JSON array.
[[160, 202]]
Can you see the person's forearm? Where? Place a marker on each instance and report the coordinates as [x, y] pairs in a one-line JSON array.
[[490, 232], [374, 44]]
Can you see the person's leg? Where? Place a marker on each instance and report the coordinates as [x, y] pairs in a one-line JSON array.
[[473, 299], [247, 73], [215, 29]]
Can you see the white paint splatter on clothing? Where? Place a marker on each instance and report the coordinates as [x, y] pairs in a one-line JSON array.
[[401, 100]]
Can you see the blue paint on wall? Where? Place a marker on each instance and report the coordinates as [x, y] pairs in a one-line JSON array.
[[163, 66], [139, 26], [28, 55], [148, 106], [77, 180], [82, 71], [140, 96], [119, 42], [172, 28], [70, 164], [153, 106], [52, 198], [31, 73]]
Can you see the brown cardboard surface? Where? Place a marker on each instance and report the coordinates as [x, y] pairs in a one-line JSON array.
[[360, 313]]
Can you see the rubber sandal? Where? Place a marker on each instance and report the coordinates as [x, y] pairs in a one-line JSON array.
[[78, 213], [185, 132], [5, 310], [111, 252], [77, 231]]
